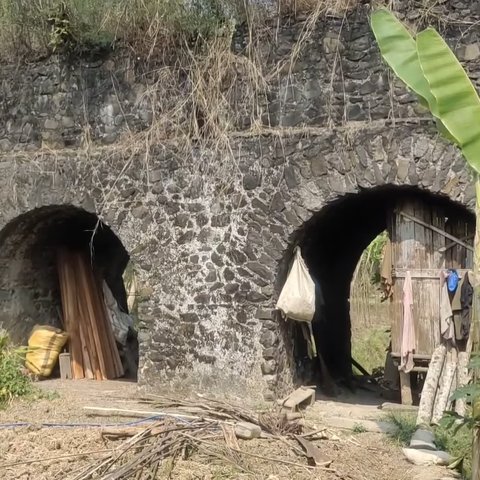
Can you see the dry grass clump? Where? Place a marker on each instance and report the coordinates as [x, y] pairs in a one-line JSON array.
[[35, 28]]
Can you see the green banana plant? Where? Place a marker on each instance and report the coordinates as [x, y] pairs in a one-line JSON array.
[[431, 70]]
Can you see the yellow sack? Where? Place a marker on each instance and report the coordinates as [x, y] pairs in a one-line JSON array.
[[44, 346]]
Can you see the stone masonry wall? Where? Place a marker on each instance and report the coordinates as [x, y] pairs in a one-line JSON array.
[[209, 236]]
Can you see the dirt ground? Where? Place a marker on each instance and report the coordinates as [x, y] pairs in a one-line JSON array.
[[73, 440]]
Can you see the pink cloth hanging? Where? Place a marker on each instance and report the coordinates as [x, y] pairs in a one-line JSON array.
[[408, 332]]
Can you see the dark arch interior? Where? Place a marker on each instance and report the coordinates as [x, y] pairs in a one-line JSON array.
[[29, 288], [332, 243]]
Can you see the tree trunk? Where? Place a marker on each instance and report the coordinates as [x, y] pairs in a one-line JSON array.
[[474, 331], [476, 443], [446, 379], [430, 387]]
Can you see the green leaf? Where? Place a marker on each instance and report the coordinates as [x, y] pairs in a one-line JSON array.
[[456, 463], [399, 50], [474, 361], [458, 104], [468, 392], [449, 418]]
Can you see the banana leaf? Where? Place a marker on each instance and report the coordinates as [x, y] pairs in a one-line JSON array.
[[458, 104], [399, 50]]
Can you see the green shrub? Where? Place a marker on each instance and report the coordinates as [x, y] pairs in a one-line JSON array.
[[13, 382], [458, 444]]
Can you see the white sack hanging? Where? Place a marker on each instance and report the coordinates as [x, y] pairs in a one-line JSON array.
[[297, 298]]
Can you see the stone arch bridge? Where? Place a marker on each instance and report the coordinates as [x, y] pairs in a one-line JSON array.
[[211, 250]]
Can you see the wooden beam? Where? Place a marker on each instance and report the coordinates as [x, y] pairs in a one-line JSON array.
[[416, 356], [406, 389], [437, 230], [424, 272]]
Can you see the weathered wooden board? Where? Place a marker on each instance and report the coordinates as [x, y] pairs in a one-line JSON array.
[[417, 247]]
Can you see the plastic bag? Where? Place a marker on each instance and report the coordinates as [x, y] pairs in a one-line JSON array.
[[297, 298], [44, 346]]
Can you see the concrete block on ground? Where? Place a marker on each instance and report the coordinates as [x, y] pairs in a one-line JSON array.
[[247, 431], [301, 397], [423, 439], [426, 457]]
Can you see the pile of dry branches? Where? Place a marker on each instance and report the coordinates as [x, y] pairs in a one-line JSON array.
[[204, 426]]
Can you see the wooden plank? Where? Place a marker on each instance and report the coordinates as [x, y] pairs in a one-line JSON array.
[[437, 261], [416, 250], [89, 338], [104, 339], [427, 273], [70, 312], [89, 315], [405, 388], [65, 366], [416, 356], [423, 307], [87, 366], [109, 337], [403, 242], [112, 344]]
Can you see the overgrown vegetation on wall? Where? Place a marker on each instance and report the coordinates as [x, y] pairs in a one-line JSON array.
[[43, 26], [182, 52], [40, 27]]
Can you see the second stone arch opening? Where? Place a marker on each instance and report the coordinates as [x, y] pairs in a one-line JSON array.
[[33, 295], [428, 234]]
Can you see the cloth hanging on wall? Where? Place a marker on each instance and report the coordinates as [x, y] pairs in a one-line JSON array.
[[447, 327], [456, 298], [408, 331], [466, 299]]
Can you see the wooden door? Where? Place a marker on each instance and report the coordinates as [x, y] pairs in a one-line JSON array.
[[418, 249]]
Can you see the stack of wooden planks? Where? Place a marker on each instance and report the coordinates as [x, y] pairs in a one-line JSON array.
[[93, 350]]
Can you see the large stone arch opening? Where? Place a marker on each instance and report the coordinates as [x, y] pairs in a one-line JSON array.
[[332, 242], [29, 285]]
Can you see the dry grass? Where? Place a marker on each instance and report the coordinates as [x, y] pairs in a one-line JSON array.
[[185, 59], [194, 84]]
